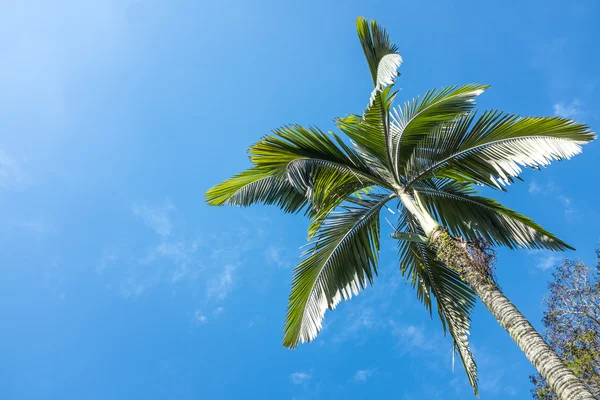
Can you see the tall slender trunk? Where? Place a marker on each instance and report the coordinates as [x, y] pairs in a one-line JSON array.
[[467, 262]]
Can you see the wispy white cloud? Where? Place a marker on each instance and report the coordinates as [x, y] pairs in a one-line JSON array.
[[121, 274], [571, 213], [12, 173], [510, 390], [156, 218], [363, 374], [131, 288], [181, 253], [459, 384], [550, 189], [368, 312], [570, 110], [545, 259], [108, 258], [494, 384], [492, 373], [259, 319], [274, 256], [299, 378], [34, 226], [411, 337], [209, 261], [361, 318], [200, 318], [38, 227], [533, 188], [218, 311], [220, 286], [54, 280], [552, 58], [543, 188]]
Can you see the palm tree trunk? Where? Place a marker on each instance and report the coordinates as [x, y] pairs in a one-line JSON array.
[[468, 263]]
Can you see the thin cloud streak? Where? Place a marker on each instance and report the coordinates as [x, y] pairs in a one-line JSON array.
[[299, 378], [550, 189], [570, 110], [362, 375], [12, 173], [156, 218]]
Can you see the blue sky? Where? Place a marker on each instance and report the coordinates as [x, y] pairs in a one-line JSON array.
[[115, 116]]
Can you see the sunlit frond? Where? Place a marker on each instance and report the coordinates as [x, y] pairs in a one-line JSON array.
[[294, 143], [326, 185], [415, 119], [381, 54], [340, 262], [457, 206], [492, 149], [370, 131], [386, 72], [257, 186]]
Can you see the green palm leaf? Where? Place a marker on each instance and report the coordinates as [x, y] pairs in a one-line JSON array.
[[381, 54], [327, 186], [295, 144], [457, 207], [455, 300], [415, 120], [492, 149], [369, 132], [342, 259], [257, 186]]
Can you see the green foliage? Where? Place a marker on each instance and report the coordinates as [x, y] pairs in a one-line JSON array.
[[430, 275], [376, 45], [258, 185], [342, 258], [456, 205], [572, 324], [490, 150], [414, 122], [370, 132]]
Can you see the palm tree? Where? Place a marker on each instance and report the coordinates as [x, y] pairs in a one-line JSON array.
[[426, 156]]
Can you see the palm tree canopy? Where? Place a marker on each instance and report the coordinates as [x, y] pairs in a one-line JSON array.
[[436, 148]]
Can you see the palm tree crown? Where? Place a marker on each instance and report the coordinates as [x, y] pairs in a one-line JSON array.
[[427, 155]]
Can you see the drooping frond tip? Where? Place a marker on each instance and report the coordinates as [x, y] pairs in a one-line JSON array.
[[432, 278], [458, 208], [382, 55]]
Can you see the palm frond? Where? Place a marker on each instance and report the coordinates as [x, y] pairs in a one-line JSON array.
[[323, 182], [294, 143], [457, 207], [386, 72], [415, 120], [369, 132], [257, 186], [381, 54], [320, 214], [383, 61], [326, 186], [455, 300], [342, 259], [492, 149]]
